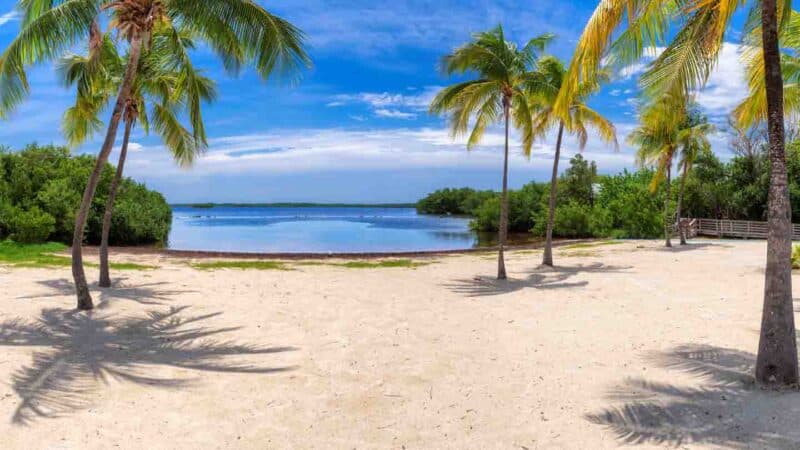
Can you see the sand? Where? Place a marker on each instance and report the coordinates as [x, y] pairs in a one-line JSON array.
[[619, 345]]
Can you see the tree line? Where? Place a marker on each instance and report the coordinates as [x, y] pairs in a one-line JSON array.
[[40, 190], [624, 205]]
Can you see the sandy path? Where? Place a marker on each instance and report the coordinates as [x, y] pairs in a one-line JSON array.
[[622, 344]]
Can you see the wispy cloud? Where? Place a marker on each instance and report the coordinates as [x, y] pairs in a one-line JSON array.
[[389, 104], [368, 28], [329, 150], [394, 114], [8, 17]]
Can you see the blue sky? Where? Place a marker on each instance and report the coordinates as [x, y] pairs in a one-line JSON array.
[[356, 128]]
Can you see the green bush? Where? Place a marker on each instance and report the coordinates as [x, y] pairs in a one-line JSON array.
[[140, 217], [523, 208], [41, 189], [796, 257], [464, 201], [573, 220], [32, 227], [632, 210]]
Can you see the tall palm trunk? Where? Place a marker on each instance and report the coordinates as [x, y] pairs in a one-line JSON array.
[[667, 218], [81, 287], [105, 277], [776, 365], [681, 231], [547, 259], [503, 232]]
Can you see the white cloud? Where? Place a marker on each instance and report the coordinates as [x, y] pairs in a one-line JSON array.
[[394, 114], [316, 150], [8, 17], [726, 86], [135, 147], [615, 93], [389, 104], [638, 68]]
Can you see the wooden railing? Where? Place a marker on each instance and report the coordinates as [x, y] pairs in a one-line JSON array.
[[731, 228]]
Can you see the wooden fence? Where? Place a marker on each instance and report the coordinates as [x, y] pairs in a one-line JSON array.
[[732, 228]]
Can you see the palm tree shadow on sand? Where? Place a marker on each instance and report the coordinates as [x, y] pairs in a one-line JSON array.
[[80, 352], [726, 410], [144, 294], [542, 278]]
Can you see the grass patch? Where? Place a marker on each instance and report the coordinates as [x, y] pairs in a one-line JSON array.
[[590, 245], [128, 266], [33, 255], [241, 265], [41, 256], [381, 264], [388, 263]]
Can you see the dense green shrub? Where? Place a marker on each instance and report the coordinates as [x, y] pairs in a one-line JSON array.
[[796, 257], [523, 207], [622, 205], [31, 226], [41, 189], [738, 189], [631, 210], [573, 220], [463, 201]]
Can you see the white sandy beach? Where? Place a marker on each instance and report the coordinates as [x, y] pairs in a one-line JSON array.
[[621, 344]]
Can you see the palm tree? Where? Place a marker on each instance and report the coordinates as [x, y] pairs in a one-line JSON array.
[[167, 80], [240, 31], [657, 140], [684, 66], [580, 117], [692, 141], [500, 93]]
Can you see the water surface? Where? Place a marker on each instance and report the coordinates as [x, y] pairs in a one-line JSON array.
[[316, 230]]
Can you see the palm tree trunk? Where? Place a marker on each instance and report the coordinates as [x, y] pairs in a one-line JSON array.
[[667, 218], [78, 274], [547, 259], [681, 231], [105, 277], [776, 365], [503, 232]]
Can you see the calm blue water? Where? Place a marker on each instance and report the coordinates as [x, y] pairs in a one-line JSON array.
[[316, 229]]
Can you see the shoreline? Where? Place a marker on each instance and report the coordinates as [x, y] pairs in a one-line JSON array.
[[208, 254]]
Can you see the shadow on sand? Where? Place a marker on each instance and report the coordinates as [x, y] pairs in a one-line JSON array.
[[76, 353], [725, 410], [542, 278], [144, 294]]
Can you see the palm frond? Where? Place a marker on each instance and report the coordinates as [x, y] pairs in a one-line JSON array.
[[45, 37]]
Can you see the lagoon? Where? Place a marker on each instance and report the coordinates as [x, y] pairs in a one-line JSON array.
[[318, 229]]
